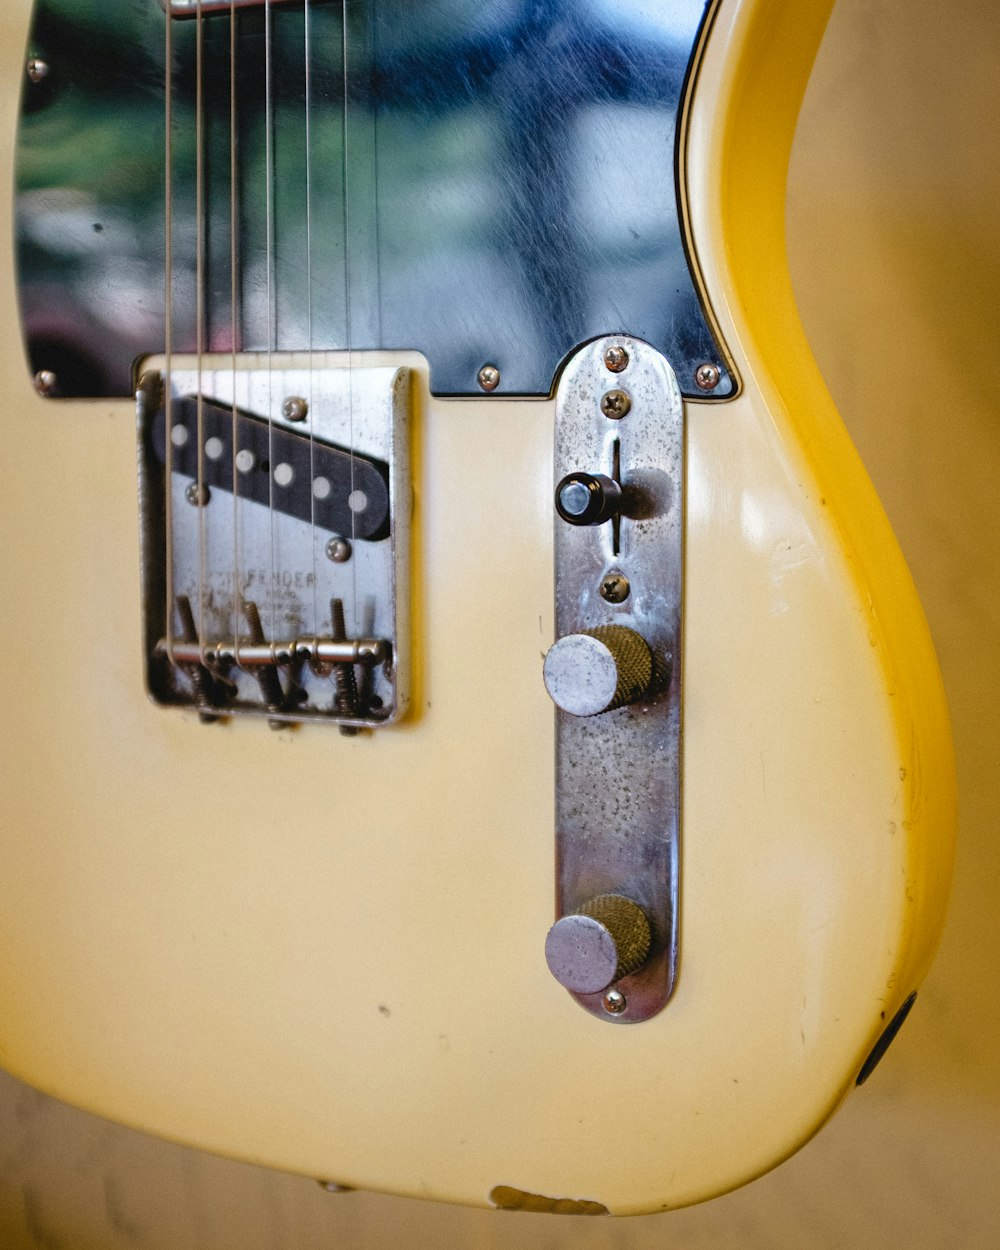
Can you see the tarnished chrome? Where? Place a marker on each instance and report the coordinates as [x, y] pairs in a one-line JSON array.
[[580, 675], [508, 189], [614, 1002], [581, 954], [489, 378], [37, 69], [606, 941], [618, 772], [272, 614], [616, 359]]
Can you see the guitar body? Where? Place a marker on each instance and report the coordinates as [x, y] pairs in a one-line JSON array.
[[325, 953]]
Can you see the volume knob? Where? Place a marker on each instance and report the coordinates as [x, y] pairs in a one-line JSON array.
[[607, 939], [598, 670]]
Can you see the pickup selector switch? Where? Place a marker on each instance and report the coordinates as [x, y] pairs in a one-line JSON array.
[[598, 670], [588, 498]]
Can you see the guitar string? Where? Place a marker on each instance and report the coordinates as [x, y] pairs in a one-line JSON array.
[[312, 416], [271, 309], [199, 313], [168, 323], [348, 309], [201, 296], [234, 303]]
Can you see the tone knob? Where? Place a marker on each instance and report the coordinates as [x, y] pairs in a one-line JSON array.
[[607, 939], [598, 670], [588, 498]]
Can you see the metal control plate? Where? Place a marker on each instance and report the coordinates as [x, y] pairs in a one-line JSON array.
[[618, 773]]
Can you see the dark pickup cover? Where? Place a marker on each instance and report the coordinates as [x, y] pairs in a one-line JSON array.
[[349, 475]]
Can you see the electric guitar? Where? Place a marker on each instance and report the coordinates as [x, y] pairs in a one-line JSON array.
[[490, 747]]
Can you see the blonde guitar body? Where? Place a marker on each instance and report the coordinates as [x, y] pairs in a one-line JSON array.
[[324, 953]]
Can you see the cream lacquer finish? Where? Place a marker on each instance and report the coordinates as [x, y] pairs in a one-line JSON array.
[[326, 954]]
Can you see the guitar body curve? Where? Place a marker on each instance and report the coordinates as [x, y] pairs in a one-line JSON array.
[[324, 954]]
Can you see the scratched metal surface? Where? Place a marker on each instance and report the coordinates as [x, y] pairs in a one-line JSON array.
[[506, 192], [618, 775]]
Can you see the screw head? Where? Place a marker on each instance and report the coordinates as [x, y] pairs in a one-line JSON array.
[[46, 382], [615, 588], [338, 550], [37, 69], [616, 404], [295, 408], [616, 359], [707, 377], [489, 378], [197, 494], [149, 391], [614, 1002]]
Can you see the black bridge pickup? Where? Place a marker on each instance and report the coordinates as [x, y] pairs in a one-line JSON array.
[[342, 492]]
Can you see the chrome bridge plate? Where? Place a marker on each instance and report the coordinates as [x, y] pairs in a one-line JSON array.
[[618, 774], [275, 501]]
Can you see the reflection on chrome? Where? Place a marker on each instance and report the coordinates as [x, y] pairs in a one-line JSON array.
[[506, 190]]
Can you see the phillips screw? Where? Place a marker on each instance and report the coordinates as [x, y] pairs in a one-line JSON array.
[[707, 377], [616, 404]]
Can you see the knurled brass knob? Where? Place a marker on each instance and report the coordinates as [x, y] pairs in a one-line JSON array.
[[607, 939], [598, 670]]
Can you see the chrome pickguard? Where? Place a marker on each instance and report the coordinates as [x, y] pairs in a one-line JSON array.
[[488, 184]]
